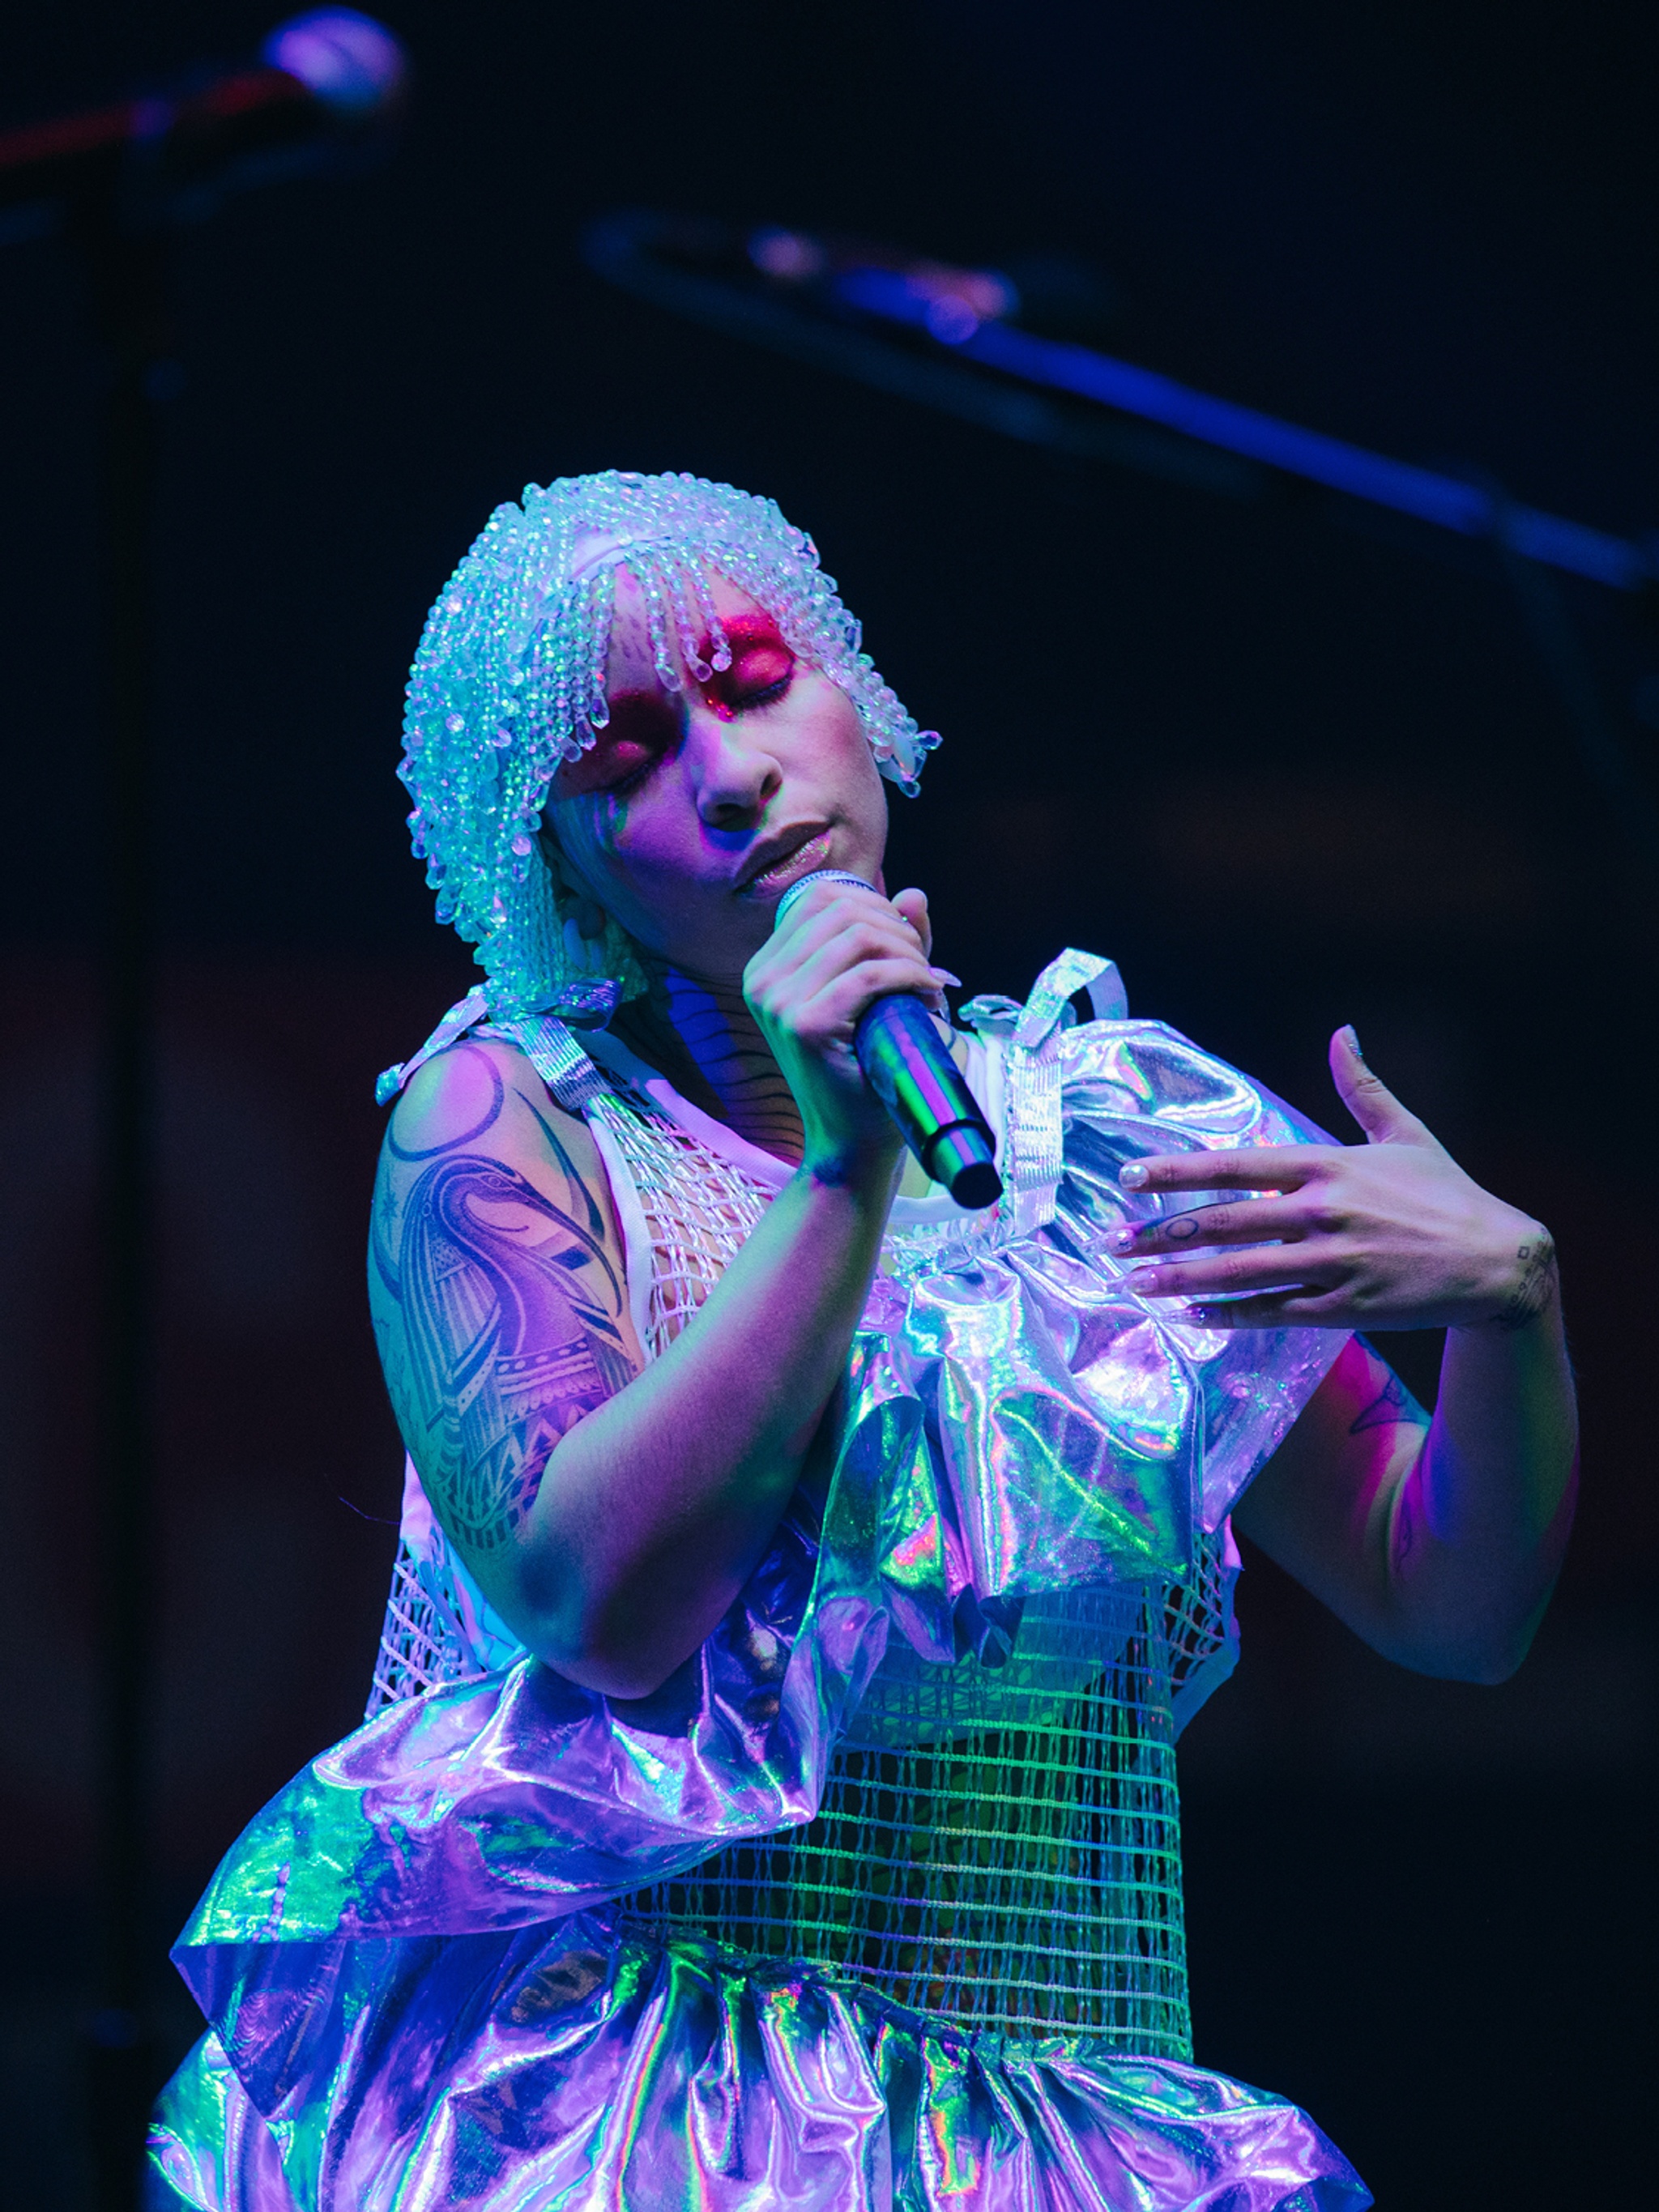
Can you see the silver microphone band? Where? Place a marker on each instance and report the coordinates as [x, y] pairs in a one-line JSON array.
[[817, 876]]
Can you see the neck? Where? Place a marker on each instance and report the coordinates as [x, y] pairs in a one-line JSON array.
[[703, 1037]]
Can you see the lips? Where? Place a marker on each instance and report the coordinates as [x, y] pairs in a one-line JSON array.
[[795, 855]]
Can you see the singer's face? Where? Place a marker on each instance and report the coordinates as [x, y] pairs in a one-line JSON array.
[[696, 809]]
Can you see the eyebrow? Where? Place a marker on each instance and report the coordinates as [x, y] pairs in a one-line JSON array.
[[746, 630]]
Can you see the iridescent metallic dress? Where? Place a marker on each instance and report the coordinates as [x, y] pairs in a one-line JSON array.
[[877, 1902]]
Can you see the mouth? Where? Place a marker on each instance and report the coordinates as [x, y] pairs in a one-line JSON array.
[[783, 860]]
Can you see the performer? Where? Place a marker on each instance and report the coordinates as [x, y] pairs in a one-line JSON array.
[[767, 1798]]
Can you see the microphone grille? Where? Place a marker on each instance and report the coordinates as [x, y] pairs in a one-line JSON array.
[[817, 876]]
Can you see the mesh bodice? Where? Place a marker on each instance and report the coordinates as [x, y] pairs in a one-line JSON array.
[[996, 1846], [1022, 1876]]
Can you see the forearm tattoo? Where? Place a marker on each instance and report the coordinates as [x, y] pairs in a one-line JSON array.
[[1394, 1407], [499, 1315], [1536, 1287]]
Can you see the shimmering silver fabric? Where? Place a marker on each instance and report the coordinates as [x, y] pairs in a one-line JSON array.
[[998, 1844], [414, 1961], [589, 2069]]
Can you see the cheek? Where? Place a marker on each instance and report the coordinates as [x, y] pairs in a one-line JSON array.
[[583, 830], [571, 825], [830, 722], [855, 762], [609, 850]]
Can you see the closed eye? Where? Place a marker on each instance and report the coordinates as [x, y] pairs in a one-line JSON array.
[[644, 729], [762, 670]]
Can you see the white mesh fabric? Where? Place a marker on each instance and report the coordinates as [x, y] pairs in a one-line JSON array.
[[698, 1208], [422, 1639], [1024, 1878]]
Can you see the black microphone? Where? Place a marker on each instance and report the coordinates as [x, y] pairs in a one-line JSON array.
[[909, 1067], [324, 83]]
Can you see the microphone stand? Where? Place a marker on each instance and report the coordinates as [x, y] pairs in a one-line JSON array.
[[326, 90], [127, 270]]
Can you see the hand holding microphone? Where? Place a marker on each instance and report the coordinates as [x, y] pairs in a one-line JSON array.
[[908, 1066]]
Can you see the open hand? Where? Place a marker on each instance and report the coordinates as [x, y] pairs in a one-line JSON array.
[[1389, 1234]]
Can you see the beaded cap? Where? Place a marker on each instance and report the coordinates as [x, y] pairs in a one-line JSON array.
[[508, 681]]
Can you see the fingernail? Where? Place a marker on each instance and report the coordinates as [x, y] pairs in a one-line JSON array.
[[1120, 1240], [1352, 1037], [945, 976], [1131, 1175]]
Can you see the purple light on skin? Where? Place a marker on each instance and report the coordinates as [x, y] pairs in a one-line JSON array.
[[347, 60]]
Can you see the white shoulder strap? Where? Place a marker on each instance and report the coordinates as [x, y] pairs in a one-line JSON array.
[[548, 1044], [1030, 1039], [467, 1014], [552, 1050]]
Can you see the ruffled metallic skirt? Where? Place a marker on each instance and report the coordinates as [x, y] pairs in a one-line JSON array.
[[595, 2068]]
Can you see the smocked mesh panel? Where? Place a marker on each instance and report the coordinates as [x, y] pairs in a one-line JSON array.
[[420, 1643], [698, 1209], [1199, 1632], [1025, 1878]]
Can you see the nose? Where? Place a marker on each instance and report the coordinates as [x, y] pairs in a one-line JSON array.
[[735, 774]]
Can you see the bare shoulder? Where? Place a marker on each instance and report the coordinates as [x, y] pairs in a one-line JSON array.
[[478, 1118], [484, 1094], [497, 1283]]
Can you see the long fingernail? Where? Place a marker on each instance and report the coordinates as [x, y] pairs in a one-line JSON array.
[[1120, 1240], [1131, 1175], [945, 976]]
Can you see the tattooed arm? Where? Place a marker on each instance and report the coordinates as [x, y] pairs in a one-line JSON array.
[[495, 1284], [609, 1511], [612, 1511], [1438, 1541]]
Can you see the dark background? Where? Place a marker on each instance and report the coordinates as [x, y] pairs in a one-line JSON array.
[[1289, 771]]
